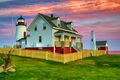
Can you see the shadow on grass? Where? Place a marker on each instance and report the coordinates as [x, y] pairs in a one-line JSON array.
[[38, 59], [106, 61], [3, 75], [98, 61], [108, 64]]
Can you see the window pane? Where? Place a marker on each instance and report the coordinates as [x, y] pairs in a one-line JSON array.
[[35, 28], [40, 39], [44, 27]]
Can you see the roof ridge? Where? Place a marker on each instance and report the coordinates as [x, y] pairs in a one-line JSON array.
[[63, 23]]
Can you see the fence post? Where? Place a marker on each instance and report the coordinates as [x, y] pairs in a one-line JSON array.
[[82, 54], [32, 54], [63, 58], [46, 55], [19, 52], [91, 53]]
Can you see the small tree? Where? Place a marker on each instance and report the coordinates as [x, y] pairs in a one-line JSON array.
[[7, 61]]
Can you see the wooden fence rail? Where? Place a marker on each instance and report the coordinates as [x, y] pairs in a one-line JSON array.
[[64, 58]]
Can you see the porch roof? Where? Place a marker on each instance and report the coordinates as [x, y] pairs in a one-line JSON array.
[[67, 33]]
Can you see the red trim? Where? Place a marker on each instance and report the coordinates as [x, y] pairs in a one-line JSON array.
[[31, 48], [104, 48], [59, 50]]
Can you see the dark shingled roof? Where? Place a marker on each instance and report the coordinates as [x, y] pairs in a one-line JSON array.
[[66, 32], [21, 18], [48, 19], [21, 39], [20, 23], [63, 23], [101, 43]]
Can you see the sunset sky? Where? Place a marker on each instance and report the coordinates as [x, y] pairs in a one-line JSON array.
[[102, 16]]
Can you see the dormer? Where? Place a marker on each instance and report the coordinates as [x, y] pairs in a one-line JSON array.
[[56, 21], [69, 25]]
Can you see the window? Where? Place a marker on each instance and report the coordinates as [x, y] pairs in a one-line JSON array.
[[92, 40], [44, 27], [25, 42], [35, 28], [40, 38], [58, 25]]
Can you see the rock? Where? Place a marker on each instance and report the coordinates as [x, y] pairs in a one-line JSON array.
[[11, 68], [1, 69]]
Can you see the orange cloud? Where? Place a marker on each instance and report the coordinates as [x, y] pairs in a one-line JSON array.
[[27, 10], [116, 1], [70, 6]]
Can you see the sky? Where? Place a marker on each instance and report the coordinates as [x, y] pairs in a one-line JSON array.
[[102, 16]]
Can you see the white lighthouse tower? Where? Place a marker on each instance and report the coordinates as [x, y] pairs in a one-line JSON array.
[[92, 41], [20, 28]]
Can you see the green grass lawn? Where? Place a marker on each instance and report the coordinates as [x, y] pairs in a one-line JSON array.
[[92, 68]]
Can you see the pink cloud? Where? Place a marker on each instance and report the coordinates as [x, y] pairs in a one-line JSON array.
[[70, 6], [28, 21], [106, 31], [28, 10], [7, 32], [106, 8], [7, 24]]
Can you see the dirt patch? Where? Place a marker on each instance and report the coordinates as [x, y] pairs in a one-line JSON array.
[[84, 63]]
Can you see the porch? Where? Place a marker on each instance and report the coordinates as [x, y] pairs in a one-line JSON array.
[[68, 40]]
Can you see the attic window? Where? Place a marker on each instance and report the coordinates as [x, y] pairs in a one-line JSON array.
[[44, 27], [35, 29]]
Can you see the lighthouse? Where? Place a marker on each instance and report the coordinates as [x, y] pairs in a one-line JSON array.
[[20, 28], [92, 41]]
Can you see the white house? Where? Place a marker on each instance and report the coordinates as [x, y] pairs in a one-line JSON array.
[[47, 32]]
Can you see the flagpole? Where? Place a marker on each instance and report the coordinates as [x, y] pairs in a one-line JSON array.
[[12, 26]]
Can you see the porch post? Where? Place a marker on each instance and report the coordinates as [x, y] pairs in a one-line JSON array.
[[70, 44], [62, 42], [62, 37], [70, 38], [54, 46], [81, 43], [76, 39], [80, 39]]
